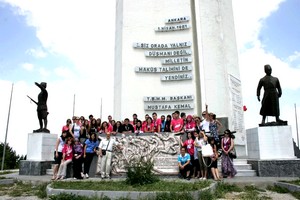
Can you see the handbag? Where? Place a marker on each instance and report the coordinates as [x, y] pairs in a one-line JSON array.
[[104, 151], [232, 153], [207, 151]]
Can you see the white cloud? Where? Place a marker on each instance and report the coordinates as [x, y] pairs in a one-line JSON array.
[[44, 72], [248, 18], [38, 53], [27, 66], [63, 72], [294, 58], [84, 32]]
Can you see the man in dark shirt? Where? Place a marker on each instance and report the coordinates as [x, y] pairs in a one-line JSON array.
[[127, 127]]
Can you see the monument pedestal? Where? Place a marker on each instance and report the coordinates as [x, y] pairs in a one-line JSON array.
[[40, 154], [271, 152]]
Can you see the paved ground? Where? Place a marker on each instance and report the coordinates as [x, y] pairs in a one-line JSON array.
[[260, 182]]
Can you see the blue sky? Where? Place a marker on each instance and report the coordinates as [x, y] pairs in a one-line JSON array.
[[280, 34], [40, 41], [21, 51]]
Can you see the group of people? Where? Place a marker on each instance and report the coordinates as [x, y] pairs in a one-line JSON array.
[[80, 141], [195, 160]]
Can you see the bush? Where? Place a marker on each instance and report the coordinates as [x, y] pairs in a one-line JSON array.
[[140, 172]]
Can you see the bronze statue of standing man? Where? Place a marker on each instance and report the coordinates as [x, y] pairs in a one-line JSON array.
[[42, 109], [270, 101]]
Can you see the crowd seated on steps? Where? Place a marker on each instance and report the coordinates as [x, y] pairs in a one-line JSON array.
[[195, 132]]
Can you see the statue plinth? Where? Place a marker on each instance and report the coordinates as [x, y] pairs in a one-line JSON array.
[[271, 152], [279, 123], [40, 148], [270, 142]]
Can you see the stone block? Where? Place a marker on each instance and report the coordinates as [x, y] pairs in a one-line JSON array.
[[40, 146], [270, 142], [34, 168], [276, 168]]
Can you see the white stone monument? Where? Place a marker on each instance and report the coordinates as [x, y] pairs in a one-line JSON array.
[[178, 55], [271, 151], [270, 143], [40, 154]]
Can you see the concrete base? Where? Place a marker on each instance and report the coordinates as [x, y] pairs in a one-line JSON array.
[[270, 143], [34, 168], [240, 151], [276, 168], [40, 146]]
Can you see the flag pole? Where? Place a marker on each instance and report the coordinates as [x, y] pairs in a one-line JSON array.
[[4, 147], [73, 106], [296, 125], [101, 109]]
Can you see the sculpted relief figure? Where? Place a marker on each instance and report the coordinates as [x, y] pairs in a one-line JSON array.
[[136, 148], [42, 110], [272, 93]]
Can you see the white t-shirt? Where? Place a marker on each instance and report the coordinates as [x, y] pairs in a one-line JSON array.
[[205, 125], [76, 130], [200, 142], [103, 144], [60, 145]]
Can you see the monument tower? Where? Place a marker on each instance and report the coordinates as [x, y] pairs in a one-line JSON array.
[[178, 55]]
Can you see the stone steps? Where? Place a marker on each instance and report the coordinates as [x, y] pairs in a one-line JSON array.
[[243, 168], [49, 172], [246, 173]]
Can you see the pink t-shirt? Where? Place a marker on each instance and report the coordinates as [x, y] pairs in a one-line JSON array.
[[177, 124], [189, 144], [156, 123], [68, 151], [65, 128], [110, 128], [144, 124], [190, 125], [148, 127]]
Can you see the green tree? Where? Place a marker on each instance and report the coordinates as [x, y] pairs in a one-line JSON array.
[[11, 158]]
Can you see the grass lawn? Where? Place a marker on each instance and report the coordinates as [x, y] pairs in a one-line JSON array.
[[171, 186], [6, 172], [295, 182], [23, 189]]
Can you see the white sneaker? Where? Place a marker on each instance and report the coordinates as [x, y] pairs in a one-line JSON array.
[[86, 175], [204, 178], [201, 178], [75, 178]]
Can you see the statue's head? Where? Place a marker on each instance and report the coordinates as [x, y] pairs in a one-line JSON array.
[[43, 84], [268, 70]]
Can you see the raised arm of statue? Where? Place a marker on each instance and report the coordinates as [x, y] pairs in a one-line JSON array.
[[41, 87]]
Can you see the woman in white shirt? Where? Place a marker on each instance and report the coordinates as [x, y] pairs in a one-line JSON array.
[[200, 141]]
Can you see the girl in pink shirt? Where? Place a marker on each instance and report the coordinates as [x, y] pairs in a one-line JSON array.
[[190, 124], [149, 127], [66, 159], [105, 128], [138, 128]]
